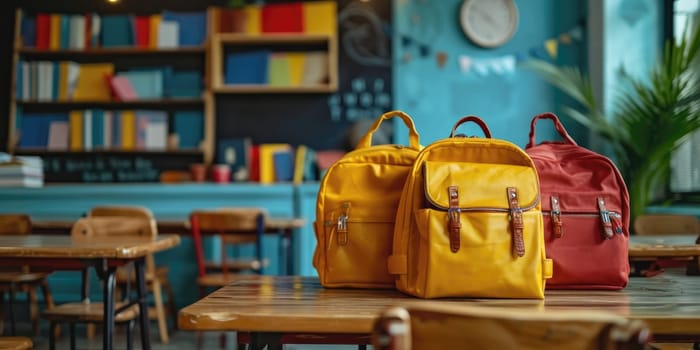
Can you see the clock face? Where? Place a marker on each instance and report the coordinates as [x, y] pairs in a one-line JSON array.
[[489, 23]]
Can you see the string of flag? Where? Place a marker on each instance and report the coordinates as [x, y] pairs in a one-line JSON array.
[[502, 64]]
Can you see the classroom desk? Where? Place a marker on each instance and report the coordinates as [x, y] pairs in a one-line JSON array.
[[284, 227], [654, 246], [272, 306], [105, 254]]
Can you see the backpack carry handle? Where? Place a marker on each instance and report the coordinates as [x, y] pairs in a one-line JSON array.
[[557, 125], [475, 119], [413, 138]]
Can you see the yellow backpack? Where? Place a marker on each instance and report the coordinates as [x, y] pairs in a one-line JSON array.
[[356, 208], [469, 222]]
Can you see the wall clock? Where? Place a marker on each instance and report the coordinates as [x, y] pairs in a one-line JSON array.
[[489, 23]]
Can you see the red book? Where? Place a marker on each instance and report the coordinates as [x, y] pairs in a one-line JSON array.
[[283, 18], [142, 30], [121, 88], [88, 30], [254, 163], [43, 30]]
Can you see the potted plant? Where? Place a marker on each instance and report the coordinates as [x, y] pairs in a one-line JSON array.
[[649, 119]]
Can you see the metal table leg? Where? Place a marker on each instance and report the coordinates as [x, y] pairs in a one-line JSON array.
[[143, 305], [108, 304]]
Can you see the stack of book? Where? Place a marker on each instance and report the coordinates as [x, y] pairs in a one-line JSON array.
[[21, 171]]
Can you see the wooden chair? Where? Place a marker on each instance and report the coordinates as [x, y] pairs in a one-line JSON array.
[[89, 312], [14, 280], [156, 277], [16, 343], [234, 226], [454, 326], [660, 224]]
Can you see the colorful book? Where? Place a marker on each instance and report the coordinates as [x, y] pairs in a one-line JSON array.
[[92, 84], [116, 31], [246, 68], [282, 18], [320, 17], [195, 24], [267, 162], [188, 126]]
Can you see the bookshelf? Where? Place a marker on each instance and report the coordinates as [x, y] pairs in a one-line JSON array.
[[169, 102], [326, 68]]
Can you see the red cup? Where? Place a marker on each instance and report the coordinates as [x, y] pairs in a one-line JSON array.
[[221, 173], [198, 172]]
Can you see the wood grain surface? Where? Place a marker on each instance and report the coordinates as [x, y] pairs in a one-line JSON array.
[[669, 303], [60, 246]]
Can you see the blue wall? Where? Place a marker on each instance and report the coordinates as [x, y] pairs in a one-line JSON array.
[[436, 97]]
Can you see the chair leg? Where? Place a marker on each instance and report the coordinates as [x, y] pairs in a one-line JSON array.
[[172, 309], [2, 312], [160, 312], [12, 309], [72, 336], [33, 309], [52, 335], [130, 334], [48, 299]]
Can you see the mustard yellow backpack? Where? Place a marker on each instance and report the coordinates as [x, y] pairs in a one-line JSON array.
[[356, 208], [469, 222]]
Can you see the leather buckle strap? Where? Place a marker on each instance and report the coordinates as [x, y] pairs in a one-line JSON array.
[[605, 218], [453, 224], [557, 226], [516, 221]]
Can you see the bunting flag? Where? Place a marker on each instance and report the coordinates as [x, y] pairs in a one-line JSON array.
[[506, 64]]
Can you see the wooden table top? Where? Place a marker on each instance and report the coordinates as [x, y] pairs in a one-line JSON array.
[[664, 246], [61, 246], [669, 303]]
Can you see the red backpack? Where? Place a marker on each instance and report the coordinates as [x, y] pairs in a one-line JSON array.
[[585, 206]]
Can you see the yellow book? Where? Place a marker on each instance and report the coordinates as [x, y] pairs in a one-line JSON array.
[[92, 82], [296, 67], [320, 17], [299, 160], [154, 23], [128, 130], [267, 160], [252, 19], [75, 133], [62, 81], [55, 31]]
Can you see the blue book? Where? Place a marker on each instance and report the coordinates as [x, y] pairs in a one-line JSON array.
[[116, 129], [246, 68], [193, 26], [116, 31], [65, 31], [29, 31], [184, 84], [148, 83], [34, 132], [284, 165], [19, 83], [188, 125], [98, 118]]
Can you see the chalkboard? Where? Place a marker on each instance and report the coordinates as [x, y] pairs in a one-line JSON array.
[[113, 166], [322, 121]]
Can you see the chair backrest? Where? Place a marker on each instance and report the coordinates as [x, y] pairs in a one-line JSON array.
[[658, 224], [445, 326], [112, 226], [15, 224], [129, 211], [229, 223]]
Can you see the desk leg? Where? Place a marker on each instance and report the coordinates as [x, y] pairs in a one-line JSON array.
[[288, 239], [108, 305], [143, 304], [259, 340]]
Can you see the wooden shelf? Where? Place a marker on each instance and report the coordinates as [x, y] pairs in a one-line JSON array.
[[126, 51], [261, 89], [264, 39], [158, 103], [43, 151]]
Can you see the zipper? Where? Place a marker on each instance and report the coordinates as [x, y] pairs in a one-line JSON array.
[[612, 217]]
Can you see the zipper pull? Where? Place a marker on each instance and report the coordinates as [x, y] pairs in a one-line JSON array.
[[605, 218], [342, 226], [557, 226], [616, 220]]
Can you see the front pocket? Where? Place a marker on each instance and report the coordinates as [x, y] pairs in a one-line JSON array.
[[362, 259], [484, 265]]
